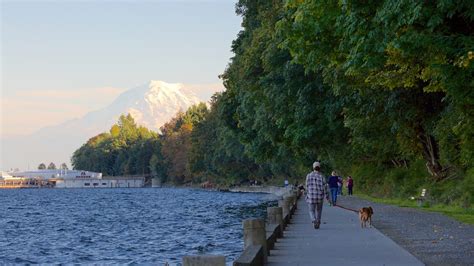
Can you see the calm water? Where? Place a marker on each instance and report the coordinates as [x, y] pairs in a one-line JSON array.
[[109, 226]]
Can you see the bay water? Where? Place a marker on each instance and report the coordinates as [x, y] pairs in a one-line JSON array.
[[123, 226]]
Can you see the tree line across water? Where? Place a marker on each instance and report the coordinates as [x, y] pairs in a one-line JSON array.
[[51, 166], [380, 90]]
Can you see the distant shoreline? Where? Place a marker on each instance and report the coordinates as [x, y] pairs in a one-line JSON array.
[[275, 190]]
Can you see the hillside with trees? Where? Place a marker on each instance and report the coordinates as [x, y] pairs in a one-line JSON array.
[[125, 150], [382, 91]]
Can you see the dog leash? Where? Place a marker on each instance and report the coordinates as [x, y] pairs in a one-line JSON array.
[[342, 207]]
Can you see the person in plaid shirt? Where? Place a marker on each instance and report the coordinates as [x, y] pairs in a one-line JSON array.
[[316, 191]]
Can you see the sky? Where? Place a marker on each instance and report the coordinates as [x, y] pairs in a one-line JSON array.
[[62, 59]]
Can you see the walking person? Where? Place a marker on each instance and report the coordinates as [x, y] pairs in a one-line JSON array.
[[350, 183], [316, 191], [334, 187], [340, 185]]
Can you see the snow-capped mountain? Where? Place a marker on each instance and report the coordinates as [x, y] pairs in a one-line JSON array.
[[160, 102], [151, 105]]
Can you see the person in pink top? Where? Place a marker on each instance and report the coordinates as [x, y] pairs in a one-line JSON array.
[[350, 184]]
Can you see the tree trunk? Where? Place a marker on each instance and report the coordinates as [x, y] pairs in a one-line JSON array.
[[431, 154], [400, 163]]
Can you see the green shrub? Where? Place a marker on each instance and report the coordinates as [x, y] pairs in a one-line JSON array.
[[403, 183]]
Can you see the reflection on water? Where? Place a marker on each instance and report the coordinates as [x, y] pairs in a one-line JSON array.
[[123, 225]]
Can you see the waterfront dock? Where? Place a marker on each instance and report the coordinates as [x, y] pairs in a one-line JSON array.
[[339, 241]]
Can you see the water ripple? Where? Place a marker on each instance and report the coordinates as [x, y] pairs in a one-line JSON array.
[[122, 226]]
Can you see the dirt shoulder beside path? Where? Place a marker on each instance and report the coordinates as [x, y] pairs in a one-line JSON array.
[[433, 238]]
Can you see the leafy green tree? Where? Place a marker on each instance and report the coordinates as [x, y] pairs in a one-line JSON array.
[[41, 166], [126, 150], [157, 165], [285, 117], [176, 142], [216, 154], [362, 47]]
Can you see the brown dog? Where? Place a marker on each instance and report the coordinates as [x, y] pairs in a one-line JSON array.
[[365, 216]]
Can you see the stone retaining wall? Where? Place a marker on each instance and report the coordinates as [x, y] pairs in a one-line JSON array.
[[259, 235]]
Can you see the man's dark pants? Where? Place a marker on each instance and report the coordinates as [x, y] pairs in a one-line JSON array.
[[315, 210]]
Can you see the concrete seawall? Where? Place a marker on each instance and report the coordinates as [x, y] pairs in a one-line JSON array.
[[260, 235]]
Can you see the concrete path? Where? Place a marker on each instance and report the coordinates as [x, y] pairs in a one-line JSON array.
[[339, 241]]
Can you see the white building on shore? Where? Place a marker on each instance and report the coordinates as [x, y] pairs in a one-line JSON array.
[[47, 174], [61, 178]]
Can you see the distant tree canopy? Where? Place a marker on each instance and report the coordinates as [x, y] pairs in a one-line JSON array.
[[41, 166], [125, 150], [64, 166], [380, 89], [51, 166]]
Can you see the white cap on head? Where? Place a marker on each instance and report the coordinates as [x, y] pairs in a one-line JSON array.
[[315, 164]]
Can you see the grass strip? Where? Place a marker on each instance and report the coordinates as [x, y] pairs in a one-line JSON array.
[[458, 213]]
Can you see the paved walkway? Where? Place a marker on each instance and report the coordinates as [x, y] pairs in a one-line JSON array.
[[339, 241]]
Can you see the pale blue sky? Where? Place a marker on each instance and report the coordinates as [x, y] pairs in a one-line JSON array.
[[74, 46]]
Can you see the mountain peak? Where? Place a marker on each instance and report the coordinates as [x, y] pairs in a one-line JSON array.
[[162, 84], [152, 104]]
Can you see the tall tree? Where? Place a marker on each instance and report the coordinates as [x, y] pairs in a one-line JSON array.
[[52, 166], [285, 116], [176, 142], [64, 166], [375, 48]]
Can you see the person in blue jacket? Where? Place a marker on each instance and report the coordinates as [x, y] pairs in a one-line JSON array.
[[333, 186]]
